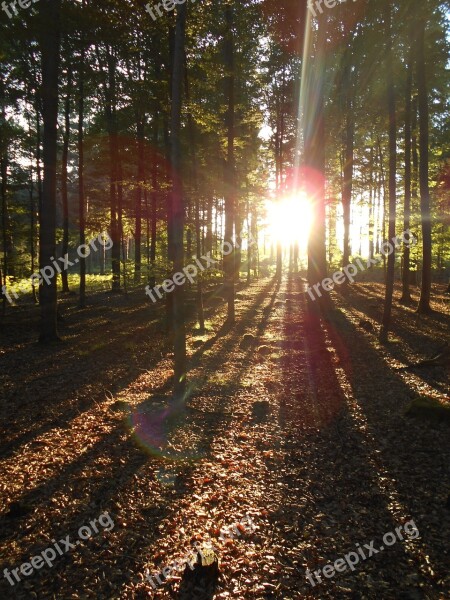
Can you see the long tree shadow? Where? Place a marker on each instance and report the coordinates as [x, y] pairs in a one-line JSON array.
[[105, 489], [427, 344], [333, 428]]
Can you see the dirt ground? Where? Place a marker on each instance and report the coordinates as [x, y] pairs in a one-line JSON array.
[[294, 421]]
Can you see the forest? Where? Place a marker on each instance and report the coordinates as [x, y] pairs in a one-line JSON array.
[[225, 299]]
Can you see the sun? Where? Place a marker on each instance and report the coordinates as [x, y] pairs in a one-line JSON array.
[[289, 220]]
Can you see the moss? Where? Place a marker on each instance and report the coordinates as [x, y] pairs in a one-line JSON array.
[[429, 409]]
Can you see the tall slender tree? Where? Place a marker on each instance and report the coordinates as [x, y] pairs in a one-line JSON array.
[[230, 176], [422, 93], [390, 96], [81, 198], [50, 50], [64, 178], [314, 155], [177, 205], [406, 273]]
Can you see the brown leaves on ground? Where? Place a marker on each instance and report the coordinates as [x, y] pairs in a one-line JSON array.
[[308, 437]]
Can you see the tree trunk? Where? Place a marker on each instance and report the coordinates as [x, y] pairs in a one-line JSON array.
[[406, 277], [3, 189], [177, 206], [279, 137], [122, 248], [371, 207], [138, 205], [198, 235], [81, 200], [383, 209], [32, 223], [50, 48], [425, 292], [347, 187], [111, 119], [64, 193], [314, 140], [154, 197], [229, 254], [386, 321]]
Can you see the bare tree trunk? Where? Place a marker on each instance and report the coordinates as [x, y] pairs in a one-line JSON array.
[[386, 322], [50, 48], [209, 223], [120, 216], [154, 196], [425, 292], [111, 119], [314, 136], [64, 192], [383, 211], [229, 258], [81, 200], [347, 187], [406, 276], [3, 189], [138, 205], [198, 235], [378, 228], [371, 207], [177, 206], [32, 224]]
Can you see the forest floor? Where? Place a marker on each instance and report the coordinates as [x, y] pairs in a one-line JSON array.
[[300, 425]]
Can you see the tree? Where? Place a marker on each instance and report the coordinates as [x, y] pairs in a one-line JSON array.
[[177, 206], [390, 89], [64, 177], [81, 199], [406, 275], [50, 49], [230, 182], [314, 157], [425, 292]]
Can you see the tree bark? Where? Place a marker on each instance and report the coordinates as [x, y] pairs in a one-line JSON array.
[[314, 141], [81, 199], [406, 276], [349, 136], [3, 190], [386, 321], [64, 192], [229, 253], [154, 197], [111, 120], [425, 292], [50, 49], [198, 235], [371, 207], [177, 206], [138, 204]]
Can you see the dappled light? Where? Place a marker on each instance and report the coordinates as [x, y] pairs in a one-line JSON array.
[[225, 300]]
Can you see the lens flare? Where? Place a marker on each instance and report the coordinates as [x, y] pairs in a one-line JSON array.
[[159, 426]]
